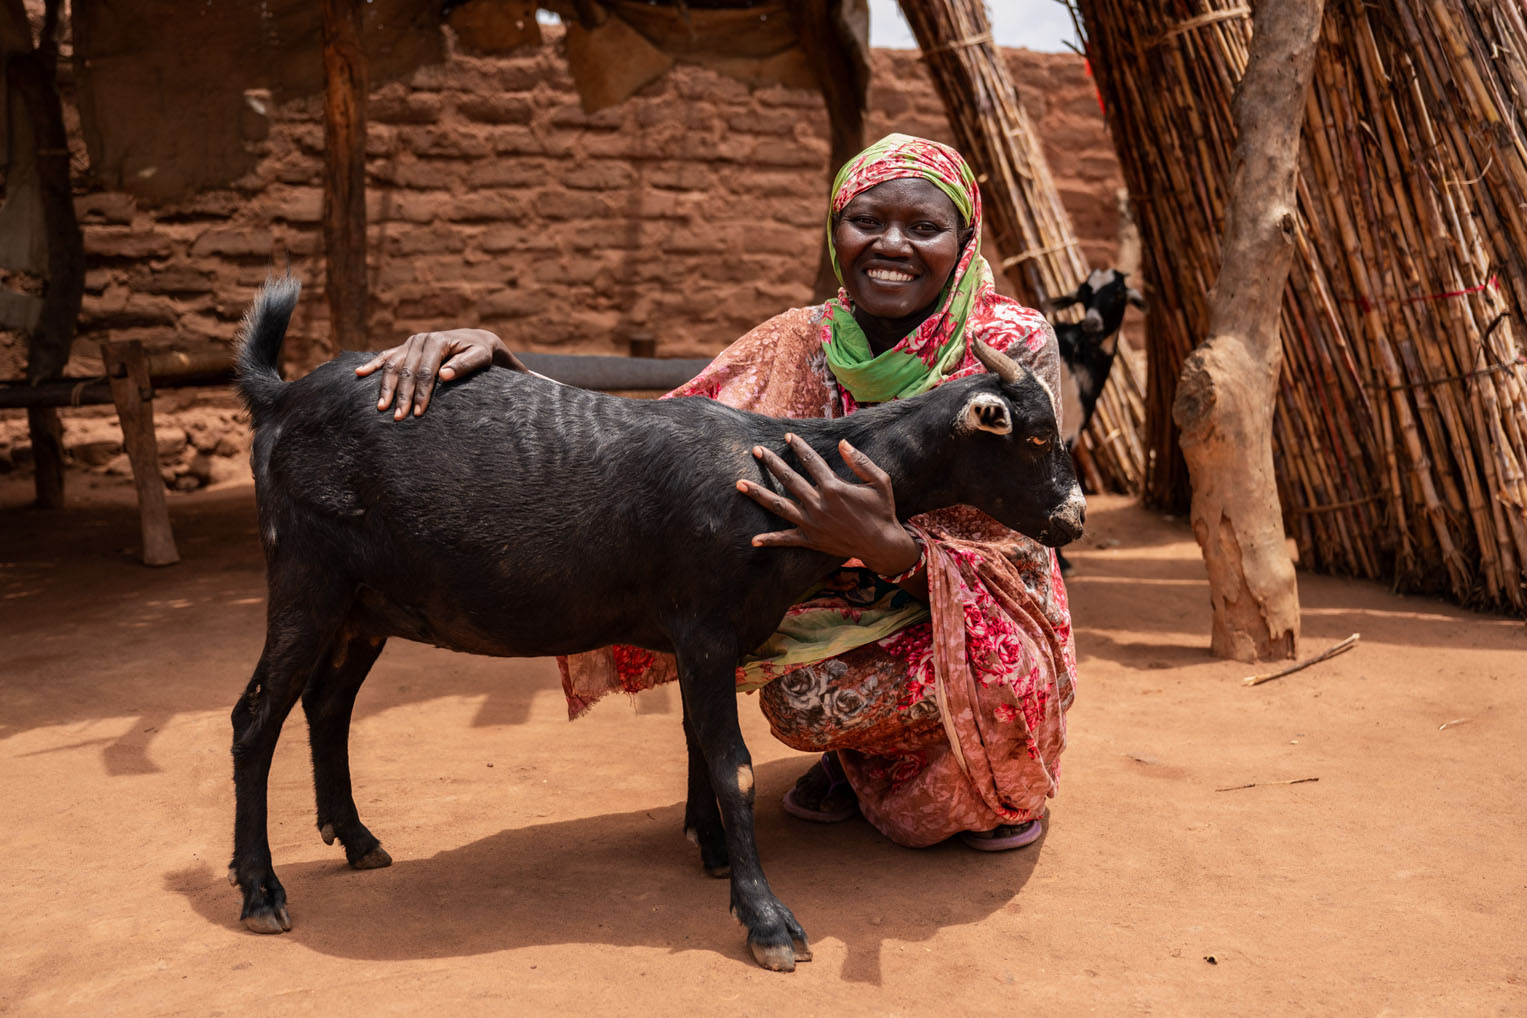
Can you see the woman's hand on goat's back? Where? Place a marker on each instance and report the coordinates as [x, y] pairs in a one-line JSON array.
[[410, 369]]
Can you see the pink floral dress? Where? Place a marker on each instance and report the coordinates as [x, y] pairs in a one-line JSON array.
[[955, 721]]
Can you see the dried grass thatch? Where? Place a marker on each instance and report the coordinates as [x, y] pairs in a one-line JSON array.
[[1040, 255], [1402, 428]]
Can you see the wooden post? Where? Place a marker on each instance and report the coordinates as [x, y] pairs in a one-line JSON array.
[[344, 180], [1229, 384], [843, 75], [33, 74], [47, 433], [133, 393]]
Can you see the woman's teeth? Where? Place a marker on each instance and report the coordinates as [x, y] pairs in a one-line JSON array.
[[890, 275]]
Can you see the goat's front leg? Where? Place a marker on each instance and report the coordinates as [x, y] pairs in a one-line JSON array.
[[706, 675]]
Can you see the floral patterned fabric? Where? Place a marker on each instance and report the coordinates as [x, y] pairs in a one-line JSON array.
[[952, 723]]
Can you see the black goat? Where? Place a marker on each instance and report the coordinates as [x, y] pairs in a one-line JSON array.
[[520, 517], [1087, 347]]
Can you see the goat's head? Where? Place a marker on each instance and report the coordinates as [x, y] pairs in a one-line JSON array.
[[1102, 296], [1015, 466]]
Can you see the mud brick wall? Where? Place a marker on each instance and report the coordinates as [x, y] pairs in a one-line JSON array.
[[687, 214]]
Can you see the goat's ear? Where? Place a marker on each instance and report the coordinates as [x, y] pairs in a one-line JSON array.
[[985, 412], [1135, 297], [1056, 303]]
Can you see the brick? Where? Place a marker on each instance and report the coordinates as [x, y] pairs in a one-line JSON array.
[[106, 207], [295, 204], [237, 241], [794, 98], [679, 175], [116, 242], [392, 104], [518, 237], [507, 171], [178, 280], [424, 240], [556, 203], [599, 175], [488, 206], [434, 306], [495, 108], [508, 303], [513, 140], [453, 142]]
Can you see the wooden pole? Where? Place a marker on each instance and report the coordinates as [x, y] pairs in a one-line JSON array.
[[1229, 384], [33, 74], [843, 75], [133, 393], [1040, 255], [344, 181]]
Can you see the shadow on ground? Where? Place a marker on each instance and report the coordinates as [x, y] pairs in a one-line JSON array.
[[629, 879]]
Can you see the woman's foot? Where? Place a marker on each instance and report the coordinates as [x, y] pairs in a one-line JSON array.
[[1003, 838], [822, 794]]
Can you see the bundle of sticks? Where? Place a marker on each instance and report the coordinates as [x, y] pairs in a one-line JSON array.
[[1039, 252], [1401, 434]]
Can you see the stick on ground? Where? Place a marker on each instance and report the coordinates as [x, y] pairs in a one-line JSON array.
[[1339, 648]]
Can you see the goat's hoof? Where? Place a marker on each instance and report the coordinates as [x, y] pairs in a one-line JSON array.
[[802, 950], [719, 871], [375, 859], [775, 957], [269, 920], [326, 832]]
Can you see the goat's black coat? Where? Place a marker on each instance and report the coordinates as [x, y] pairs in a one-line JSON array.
[[519, 517]]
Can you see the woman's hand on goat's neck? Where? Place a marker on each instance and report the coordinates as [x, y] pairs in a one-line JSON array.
[[833, 515], [409, 370]]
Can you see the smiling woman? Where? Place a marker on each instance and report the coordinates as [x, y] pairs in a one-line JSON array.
[[934, 671]]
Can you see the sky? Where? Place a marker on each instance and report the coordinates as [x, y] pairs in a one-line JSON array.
[[1032, 24]]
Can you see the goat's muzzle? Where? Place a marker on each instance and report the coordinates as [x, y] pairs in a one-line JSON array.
[[1065, 523]]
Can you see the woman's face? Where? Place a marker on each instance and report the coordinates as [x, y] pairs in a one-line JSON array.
[[897, 244]]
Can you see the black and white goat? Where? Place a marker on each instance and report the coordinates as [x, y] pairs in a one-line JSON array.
[[1087, 347], [522, 517]]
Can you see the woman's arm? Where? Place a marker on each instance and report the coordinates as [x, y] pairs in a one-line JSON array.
[[409, 370]]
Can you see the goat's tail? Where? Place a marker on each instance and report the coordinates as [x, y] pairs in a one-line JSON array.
[[260, 341]]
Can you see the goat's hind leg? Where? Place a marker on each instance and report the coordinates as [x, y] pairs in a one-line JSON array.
[[702, 816], [328, 702], [292, 645], [707, 677]]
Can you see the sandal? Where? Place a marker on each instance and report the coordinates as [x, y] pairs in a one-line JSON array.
[[1003, 838], [823, 794]]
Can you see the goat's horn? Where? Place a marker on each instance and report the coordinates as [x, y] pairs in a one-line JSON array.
[[999, 364]]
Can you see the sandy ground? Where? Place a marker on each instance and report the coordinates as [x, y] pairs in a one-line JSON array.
[[540, 868]]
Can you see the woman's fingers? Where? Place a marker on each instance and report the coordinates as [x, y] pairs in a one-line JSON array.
[[868, 470], [793, 482], [775, 503], [815, 465], [374, 363], [781, 539], [473, 358]]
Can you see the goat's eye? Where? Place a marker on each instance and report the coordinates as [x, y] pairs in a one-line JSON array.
[[1038, 441]]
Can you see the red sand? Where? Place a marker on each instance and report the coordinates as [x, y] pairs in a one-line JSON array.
[[540, 868]]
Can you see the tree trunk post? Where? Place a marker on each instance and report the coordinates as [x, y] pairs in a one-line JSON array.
[[828, 40], [33, 74], [344, 181], [1228, 388]]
